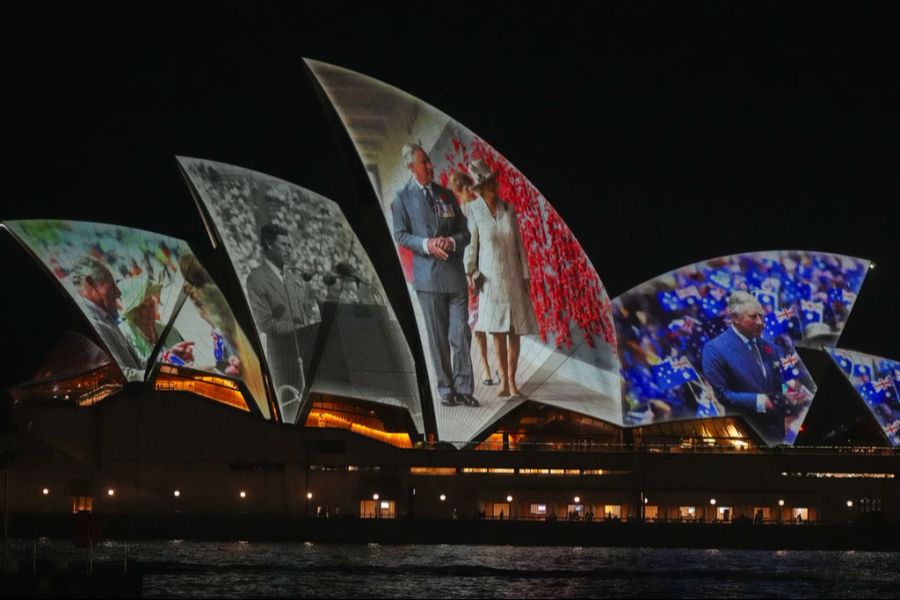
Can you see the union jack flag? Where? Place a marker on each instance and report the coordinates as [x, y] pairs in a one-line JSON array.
[[785, 314], [790, 366], [884, 385]]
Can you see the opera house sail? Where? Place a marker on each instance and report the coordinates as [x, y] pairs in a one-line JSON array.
[[507, 304], [686, 354], [149, 301], [318, 305]]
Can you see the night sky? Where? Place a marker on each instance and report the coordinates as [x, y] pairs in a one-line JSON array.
[[662, 137]]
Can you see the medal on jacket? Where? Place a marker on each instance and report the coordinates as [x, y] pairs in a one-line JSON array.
[[445, 209]]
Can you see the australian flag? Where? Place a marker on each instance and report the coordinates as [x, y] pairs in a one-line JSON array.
[[670, 301], [871, 394], [782, 321], [641, 382], [766, 298], [885, 386], [812, 311], [706, 409], [774, 327], [892, 431], [860, 370], [841, 295], [674, 372], [710, 306], [790, 367], [795, 290], [218, 346], [844, 363]]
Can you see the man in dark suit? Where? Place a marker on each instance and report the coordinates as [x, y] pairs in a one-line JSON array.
[[429, 222], [285, 310], [744, 369]]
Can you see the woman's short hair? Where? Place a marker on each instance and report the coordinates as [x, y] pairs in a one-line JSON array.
[[459, 181]]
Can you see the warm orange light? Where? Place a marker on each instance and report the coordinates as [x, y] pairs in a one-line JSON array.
[[45, 491], [111, 492], [319, 418], [218, 389], [495, 441], [243, 494]]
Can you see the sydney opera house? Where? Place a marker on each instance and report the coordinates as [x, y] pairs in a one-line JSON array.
[[506, 384]]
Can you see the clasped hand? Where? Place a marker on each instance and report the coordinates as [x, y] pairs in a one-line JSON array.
[[440, 247]]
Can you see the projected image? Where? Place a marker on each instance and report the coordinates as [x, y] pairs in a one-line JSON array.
[[718, 337], [316, 301], [206, 336], [877, 381], [507, 304], [125, 281]]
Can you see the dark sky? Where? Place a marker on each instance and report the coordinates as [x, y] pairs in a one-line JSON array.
[[662, 136]]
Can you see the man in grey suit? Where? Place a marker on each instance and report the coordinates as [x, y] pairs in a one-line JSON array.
[[428, 221], [284, 309]]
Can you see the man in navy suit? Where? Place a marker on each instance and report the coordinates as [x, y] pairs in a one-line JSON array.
[[428, 221], [285, 309], [744, 369]]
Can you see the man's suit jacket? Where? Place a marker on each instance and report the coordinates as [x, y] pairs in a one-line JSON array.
[[731, 367], [415, 220], [280, 308]]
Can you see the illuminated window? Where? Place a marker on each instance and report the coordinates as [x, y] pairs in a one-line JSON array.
[[828, 475], [432, 471], [613, 511], [538, 509], [502, 471], [82, 504], [474, 470], [375, 509], [687, 513]]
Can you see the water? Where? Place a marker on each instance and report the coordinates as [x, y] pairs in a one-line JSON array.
[[183, 569]]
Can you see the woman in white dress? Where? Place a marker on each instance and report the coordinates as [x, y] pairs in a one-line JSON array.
[[461, 185], [496, 266]]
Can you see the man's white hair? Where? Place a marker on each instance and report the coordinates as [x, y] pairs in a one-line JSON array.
[[740, 301], [409, 153]]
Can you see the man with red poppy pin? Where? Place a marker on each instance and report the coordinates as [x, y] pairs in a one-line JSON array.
[[742, 368], [428, 221]]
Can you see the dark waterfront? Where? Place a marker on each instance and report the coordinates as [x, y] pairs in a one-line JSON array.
[[185, 569]]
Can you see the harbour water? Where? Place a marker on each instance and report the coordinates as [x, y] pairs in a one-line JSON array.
[[184, 569]]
